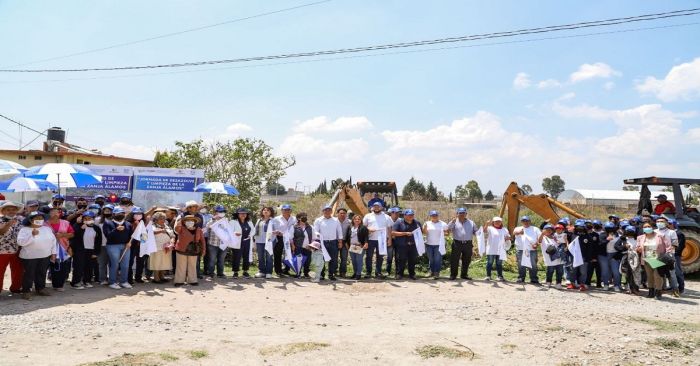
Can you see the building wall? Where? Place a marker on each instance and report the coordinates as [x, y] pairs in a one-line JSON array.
[[30, 159]]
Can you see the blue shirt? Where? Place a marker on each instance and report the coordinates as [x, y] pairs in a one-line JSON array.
[[401, 226]]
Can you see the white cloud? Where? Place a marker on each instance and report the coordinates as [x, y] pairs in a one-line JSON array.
[[522, 81], [238, 128], [681, 83], [319, 151], [124, 149], [694, 134], [548, 84], [591, 71], [342, 124], [609, 85]]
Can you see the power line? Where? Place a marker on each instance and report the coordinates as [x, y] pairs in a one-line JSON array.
[[23, 125], [166, 35], [353, 56], [557, 28]]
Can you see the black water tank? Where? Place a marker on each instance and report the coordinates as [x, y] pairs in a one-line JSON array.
[[56, 134]]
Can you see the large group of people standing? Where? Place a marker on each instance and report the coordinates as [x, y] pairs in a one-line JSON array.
[[119, 245]]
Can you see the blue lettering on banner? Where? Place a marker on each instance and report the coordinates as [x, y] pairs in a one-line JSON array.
[[112, 183], [160, 183]]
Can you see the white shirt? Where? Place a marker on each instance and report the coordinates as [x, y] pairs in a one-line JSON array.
[[670, 235], [546, 242], [40, 246], [433, 230], [493, 242], [89, 237], [376, 222], [283, 225], [329, 228], [529, 237]]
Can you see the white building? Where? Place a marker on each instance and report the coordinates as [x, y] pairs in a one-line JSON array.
[[608, 198]]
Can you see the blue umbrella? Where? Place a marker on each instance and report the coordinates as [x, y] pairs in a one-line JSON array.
[[217, 188], [10, 167], [24, 184], [64, 175], [297, 263]]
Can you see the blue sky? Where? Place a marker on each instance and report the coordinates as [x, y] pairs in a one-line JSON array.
[[593, 109]]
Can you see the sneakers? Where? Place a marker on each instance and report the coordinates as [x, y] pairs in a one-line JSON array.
[[59, 289], [487, 278], [549, 284], [606, 287], [246, 275], [115, 286], [77, 287], [125, 285], [617, 289], [43, 292], [268, 276], [27, 296], [87, 285], [676, 294], [259, 275], [570, 286], [104, 283], [582, 288], [501, 279], [315, 280], [558, 286]]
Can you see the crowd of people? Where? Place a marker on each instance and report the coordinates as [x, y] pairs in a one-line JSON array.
[[118, 245]]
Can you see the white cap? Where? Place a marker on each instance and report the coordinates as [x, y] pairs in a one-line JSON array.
[[191, 203], [496, 218]]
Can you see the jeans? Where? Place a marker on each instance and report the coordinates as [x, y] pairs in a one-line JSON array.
[[406, 254], [680, 278], [318, 262], [278, 254], [357, 259], [244, 254], [264, 259], [60, 271], [34, 273], [373, 245], [578, 275], [610, 269], [216, 259], [558, 269], [332, 249], [461, 250], [103, 264], [343, 253], [434, 258], [141, 263], [114, 251], [389, 258], [533, 263], [490, 259], [593, 267]]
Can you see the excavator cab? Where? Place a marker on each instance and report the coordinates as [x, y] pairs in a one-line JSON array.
[[353, 196], [541, 204]]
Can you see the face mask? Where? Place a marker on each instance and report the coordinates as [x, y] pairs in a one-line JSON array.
[[107, 215], [124, 202], [119, 218], [648, 230], [38, 222], [118, 222], [220, 215], [203, 211], [138, 217], [661, 225], [189, 224], [101, 203], [89, 223], [303, 219], [80, 207]]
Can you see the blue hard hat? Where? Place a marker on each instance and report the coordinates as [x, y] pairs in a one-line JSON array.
[[624, 224], [613, 216], [109, 206], [525, 218], [219, 208], [99, 196], [548, 226], [58, 196], [635, 220], [631, 229], [409, 212], [580, 222], [118, 210], [433, 213], [286, 206], [566, 219], [609, 225], [125, 195], [674, 223], [93, 206], [32, 203], [563, 222], [597, 222], [461, 210], [376, 204], [136, 210], [394, 210], [588, 221], [327, 207], [89, 214]]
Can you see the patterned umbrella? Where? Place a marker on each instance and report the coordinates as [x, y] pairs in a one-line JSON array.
[[64, 175], [11, 168], [24, 184], [217, 187]]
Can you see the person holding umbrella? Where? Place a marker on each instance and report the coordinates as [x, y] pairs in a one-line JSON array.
[[38, 249], [118, 233], [190, 245], [303, 236]]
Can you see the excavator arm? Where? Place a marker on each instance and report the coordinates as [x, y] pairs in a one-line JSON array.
[[541, 204], [352, 199]]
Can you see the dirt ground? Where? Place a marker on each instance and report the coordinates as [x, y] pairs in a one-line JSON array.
[[279, 322]]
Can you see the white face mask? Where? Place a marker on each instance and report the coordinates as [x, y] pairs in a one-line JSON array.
[[189, 224], [89, 223], [118, 222], [138, 217], [203, 211], [661, 225], [38, 222], [220, 215]]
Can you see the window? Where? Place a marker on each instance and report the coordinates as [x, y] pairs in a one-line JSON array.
[[37, 157], [22, 157], [81, 161]]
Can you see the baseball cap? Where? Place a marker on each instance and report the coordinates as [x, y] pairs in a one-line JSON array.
[[461, 210], [286, 206], [408, 212], [433, 213]]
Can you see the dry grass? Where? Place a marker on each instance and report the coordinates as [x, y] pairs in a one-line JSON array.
[[508, 348], [685, 346], [149, 359], [198, 354], [668, 326], [434, 351], [292, 348]]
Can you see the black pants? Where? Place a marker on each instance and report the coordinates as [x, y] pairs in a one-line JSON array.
[[406, 254], [243, 253], [78, 267], [60, 272], [372, 247], [594, 266], [134, 256], [205, 260], [277, 254], [307, 265], [91, 267], [34, 273], [461, 250], [332, 249]]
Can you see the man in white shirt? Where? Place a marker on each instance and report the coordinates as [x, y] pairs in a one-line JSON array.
[[526, 238], [342, 215], [378, 223], [331, 232], [280, 225]]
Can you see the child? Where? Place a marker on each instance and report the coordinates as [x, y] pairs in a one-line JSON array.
[[316, 260], [552, 255], [567, 259]]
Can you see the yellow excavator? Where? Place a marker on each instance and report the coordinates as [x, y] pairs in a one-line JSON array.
[[541, 204], [351, 195]]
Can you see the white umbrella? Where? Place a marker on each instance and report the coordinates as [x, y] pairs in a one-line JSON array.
[[24, 184], [64, 175], [10, 167], [217, 188]]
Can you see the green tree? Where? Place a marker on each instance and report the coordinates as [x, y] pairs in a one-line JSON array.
[[413, 190], [526, 188], [431, 193], [246, 163], [473, 192], [553, 186], [694, 194], [322, 188], [630, 188], [337, 182], [488, 196], [276, 189]]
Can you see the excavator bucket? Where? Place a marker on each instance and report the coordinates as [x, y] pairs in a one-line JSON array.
[[541, 204]]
